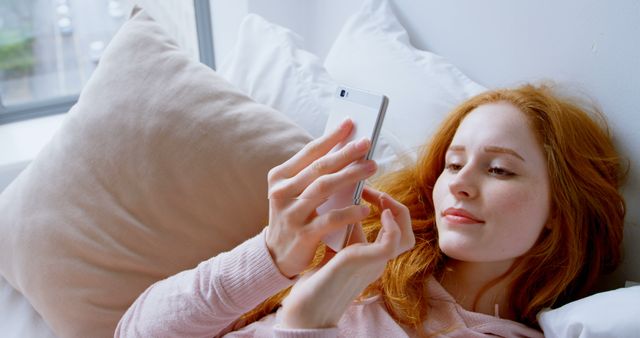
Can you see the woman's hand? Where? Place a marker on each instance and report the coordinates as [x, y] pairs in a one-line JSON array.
[[301, 184], [320, 297]]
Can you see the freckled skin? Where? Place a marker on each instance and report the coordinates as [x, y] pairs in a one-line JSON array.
[[514, 208]]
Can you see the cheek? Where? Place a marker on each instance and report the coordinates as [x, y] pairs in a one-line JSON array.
[[523, 202], [440, 189], [513, 201], [521, 214]]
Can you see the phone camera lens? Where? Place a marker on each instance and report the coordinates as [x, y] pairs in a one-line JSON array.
[[342, 93]]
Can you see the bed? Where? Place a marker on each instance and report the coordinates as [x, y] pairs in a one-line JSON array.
[[101, 239]]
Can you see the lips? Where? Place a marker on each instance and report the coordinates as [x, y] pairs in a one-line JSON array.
[[461, 216]]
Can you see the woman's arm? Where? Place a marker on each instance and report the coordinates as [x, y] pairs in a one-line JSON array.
[[205, 300]]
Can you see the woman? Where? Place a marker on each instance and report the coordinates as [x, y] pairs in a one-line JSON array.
[[512, 207]]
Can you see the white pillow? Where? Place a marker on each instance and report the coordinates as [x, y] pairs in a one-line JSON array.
[[269, 64], [373, 51], [608, 314]]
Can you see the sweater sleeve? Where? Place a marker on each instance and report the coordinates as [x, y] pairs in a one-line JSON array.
[[279, 332], [205, 300]]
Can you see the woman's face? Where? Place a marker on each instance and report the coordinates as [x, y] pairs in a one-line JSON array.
[[492, 198]]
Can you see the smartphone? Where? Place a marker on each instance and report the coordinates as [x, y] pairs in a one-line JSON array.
[[367, 111]]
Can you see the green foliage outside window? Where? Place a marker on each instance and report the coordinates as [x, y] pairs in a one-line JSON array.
[[16, 56], [16, 37]]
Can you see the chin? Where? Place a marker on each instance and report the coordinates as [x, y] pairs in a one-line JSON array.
[[458, 251], [461, 257]]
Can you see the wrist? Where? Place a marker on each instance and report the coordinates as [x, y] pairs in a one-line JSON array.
[[300, 319], [274, 258]]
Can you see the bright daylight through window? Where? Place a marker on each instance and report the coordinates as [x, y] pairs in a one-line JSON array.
[[49, 48]]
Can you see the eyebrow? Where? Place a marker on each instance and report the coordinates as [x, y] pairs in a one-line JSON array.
[[492, 149]]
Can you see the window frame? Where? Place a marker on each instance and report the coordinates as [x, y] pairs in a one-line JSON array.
[[62, 104]]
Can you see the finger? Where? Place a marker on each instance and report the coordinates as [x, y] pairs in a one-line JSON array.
[[385, 247], [336, 219], [401, 227], [390, 228], [388, 240], [329, 184], [384, 201], [329, 164], [402, 215], [372, 196], [314, 150]]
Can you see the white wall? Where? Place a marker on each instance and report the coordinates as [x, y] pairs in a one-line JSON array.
[[226, 16]]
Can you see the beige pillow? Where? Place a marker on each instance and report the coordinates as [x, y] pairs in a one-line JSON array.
[[161, 164]]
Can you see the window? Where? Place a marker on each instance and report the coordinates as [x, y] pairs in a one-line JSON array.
[[49, 48]]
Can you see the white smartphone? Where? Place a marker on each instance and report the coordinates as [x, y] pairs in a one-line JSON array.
[[367, 111]]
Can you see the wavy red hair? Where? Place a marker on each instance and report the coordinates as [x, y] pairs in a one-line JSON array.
[[584, 234]]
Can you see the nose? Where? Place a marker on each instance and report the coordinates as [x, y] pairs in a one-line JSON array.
[[462, 184]]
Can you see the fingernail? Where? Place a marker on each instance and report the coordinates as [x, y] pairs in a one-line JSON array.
[[345, 122], [364, 209], [382, 199], [362, 144], [371, 166]]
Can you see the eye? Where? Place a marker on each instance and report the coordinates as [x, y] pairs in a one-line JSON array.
[[453, 167], [500, 172]]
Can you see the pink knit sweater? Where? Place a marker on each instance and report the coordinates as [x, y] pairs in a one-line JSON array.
[[207, 300]]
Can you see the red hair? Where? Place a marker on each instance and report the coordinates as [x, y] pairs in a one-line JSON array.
[[584, 234]]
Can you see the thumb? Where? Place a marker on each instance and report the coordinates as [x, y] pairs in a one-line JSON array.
[[389, 233]]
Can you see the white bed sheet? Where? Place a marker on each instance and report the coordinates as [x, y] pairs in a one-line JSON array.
[[18, 319]]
